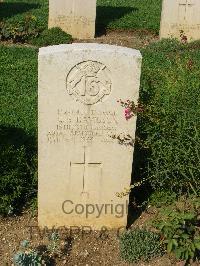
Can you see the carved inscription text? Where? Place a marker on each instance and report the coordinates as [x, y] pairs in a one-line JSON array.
[[79, 126]]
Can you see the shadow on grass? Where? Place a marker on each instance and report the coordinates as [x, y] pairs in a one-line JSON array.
[[17, 167], [8, 10], [139, 195], [107, 14], [16, 137]]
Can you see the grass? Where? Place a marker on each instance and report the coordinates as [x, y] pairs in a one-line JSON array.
[[23, 21], [14, 10], [18, 88], [140, 244], [113, 14], [129, 14], [18, 127], [53, 36], [170, 125]]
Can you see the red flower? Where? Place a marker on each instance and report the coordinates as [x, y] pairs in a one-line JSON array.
[[128, 113]]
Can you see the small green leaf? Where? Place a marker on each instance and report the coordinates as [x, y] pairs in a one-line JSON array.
[[169, 246], [178, 253], [186, 255], [188, 216], [197, 245], [175, 242]]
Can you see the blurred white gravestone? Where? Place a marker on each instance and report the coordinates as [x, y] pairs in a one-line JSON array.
[[180, 16], [76, 17], [81, 166]]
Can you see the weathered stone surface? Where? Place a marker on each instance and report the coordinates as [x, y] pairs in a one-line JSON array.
[[76, 17], [180, 15], [79, 161]]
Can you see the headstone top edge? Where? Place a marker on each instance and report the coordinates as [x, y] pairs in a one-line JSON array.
[[88, 46]]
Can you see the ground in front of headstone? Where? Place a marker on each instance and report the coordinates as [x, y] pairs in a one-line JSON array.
[[78, 248], [136, 39]]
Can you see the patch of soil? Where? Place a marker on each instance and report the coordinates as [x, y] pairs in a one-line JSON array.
[[78, 248], [10, 43], [133, 39]]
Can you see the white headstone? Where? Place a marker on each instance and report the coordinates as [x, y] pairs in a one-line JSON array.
[[79, 161], [180, 15], [76, 17]]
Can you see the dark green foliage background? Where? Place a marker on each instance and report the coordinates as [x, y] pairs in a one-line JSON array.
[[27, 21], [54, 36], [18, 174], [170, 127], [13, 11], [18, 127]]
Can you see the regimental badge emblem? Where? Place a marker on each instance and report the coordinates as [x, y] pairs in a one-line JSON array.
[[89, 82]]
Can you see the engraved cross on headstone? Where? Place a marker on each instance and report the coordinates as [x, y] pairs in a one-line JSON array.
[[185, 10], [86, 164]]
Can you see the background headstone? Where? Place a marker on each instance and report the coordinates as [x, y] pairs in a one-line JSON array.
[[79, 161], [180, 15], [76, 17]]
